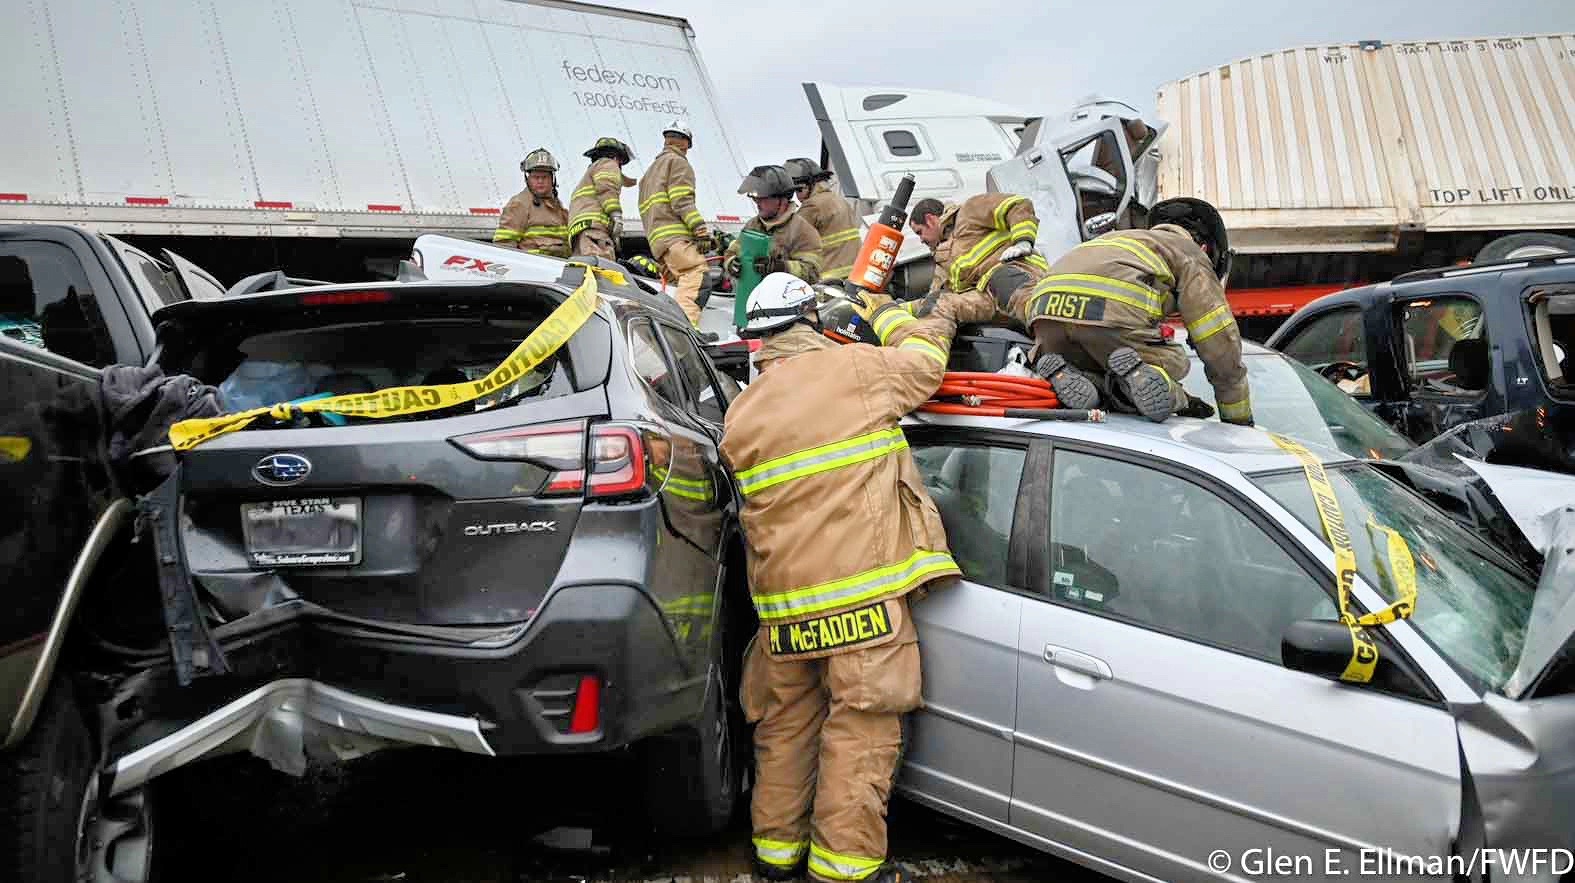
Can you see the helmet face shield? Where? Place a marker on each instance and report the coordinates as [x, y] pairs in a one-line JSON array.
[[767, 181]]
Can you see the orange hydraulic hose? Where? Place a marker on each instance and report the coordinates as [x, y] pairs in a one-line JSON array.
[[983, 394]]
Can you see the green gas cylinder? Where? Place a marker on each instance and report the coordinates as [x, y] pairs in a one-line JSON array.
[[752, 244]]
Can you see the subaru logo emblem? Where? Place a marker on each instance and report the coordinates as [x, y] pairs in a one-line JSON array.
[[282, 469]]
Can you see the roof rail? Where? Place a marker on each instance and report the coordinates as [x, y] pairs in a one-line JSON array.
[[1493, 267]]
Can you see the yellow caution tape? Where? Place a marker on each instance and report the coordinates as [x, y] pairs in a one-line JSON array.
[[1364, 651], [15, 448], [1402, 569], [551, 334]]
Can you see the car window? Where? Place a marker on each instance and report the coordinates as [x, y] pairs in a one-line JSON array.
[[45, 302], [152, 283], [708, 401], [1147, 547], [651, 363], [975, 489], [1293, 400], [1335, 336], [1446, 345]]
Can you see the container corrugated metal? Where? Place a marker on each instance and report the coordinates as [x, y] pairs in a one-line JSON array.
[[1338, 147], [335, 117]]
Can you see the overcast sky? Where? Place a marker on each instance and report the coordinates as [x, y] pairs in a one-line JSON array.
[[1040, 56]]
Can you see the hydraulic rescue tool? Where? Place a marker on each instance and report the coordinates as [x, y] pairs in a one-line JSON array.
[[982, 394]]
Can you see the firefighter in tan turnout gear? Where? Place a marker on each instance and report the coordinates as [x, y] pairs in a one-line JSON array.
[[839, 530], [595, 207], [795, 246], [1099, 308], [674, 226], [830, 215], [984, 254], [933, 222], [534, 220]]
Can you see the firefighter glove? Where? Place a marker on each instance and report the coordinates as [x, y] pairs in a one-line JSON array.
[[866, 304], [733, 266], [617, 229], [1017, 250]]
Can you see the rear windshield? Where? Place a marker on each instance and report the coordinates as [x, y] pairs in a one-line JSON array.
[[291, 365]]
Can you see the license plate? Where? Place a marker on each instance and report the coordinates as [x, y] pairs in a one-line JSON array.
[[310, 532]]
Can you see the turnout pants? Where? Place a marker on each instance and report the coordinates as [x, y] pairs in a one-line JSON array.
[[828, 742], [594, 242], [1088, 348], [683, 263]]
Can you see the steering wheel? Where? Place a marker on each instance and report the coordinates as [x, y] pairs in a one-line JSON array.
[[1337, 371]]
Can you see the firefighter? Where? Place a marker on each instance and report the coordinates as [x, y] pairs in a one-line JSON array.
[[1098, 311], [933, 222], [595, 208], [830, 215], [795, 246], [673, 224], [839, 531], [534, 220]]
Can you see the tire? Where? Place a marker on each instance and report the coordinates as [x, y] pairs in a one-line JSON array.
[[48, 800], [693, 774], [1521, 246], [43, 783]]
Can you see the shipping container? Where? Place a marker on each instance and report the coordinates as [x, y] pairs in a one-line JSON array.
[[1411, 153], [358, 124]]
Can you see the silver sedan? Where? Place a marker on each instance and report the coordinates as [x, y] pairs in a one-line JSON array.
[[1141, 671]]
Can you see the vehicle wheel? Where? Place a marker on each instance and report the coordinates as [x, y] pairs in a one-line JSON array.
[[1522, 246], [692, 775], [53, 828]]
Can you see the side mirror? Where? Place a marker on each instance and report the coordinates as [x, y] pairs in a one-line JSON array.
[[1099, 225], [1319, 647]]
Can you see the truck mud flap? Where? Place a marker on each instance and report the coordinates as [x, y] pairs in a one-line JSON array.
[[193, 648]]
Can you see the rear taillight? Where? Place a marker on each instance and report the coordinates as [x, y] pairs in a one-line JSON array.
[[617, 456], [617, 462], [587, 715]]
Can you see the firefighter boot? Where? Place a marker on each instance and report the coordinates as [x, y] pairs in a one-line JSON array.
[[1072, 387], [774, 874], [1143, 386], [889, 873]]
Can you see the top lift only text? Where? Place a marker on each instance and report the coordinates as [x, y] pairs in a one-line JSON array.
[[1482, 195]]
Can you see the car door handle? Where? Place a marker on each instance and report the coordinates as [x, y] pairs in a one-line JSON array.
[[1075, 661]]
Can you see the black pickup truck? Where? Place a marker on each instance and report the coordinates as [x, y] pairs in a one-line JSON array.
[[1478, 360], [72, 302]]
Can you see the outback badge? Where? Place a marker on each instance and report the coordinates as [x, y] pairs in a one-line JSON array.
[[280, 470]]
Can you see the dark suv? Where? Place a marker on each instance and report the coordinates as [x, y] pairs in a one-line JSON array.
[[554, 567]]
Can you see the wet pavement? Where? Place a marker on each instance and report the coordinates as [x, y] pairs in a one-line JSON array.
[[416, 816]]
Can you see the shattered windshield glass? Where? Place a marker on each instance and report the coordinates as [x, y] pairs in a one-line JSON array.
[[1470, 604], [299, 364]]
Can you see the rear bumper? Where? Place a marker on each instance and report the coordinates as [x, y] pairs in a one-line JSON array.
[[308, 687]]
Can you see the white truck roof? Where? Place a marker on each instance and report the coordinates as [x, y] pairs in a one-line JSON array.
[[379, 118]]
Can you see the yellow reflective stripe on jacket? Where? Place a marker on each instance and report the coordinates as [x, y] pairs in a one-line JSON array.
[[779, 853], [613, 205], [1212, 323], [837, 272], [1003, 208], [546, 231], [825, 458], [693, 219], [656, 198], [854, 589], [609, 177], [924, 346], [1235, 410], [503, 234], [839, 237], [676, 192], [1028, 230], [1037, 260], [1119, 290], [975, 256], [835, 866], [887, 321], [587, 218], [1139, 250], [668, 231]]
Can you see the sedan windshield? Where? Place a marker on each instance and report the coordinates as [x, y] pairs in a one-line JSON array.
[[1470, 603], [1293, 400]]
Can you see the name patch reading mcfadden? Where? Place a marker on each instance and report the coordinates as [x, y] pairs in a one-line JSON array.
[[832, 631]]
